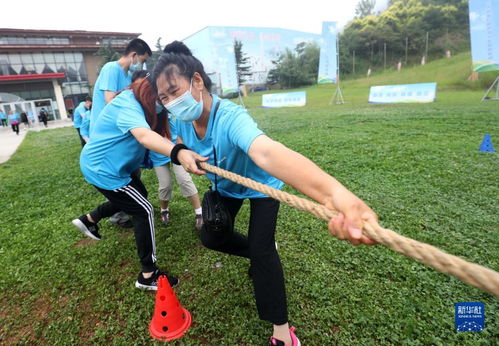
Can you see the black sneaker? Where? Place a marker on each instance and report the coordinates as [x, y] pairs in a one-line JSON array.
[[152, 282], [86, 227]]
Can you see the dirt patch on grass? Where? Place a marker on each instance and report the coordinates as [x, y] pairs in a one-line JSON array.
[[126, 234], [17, 324], [85, 242], [89, 319]]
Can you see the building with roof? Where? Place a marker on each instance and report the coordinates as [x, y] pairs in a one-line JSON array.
[[54, 69]]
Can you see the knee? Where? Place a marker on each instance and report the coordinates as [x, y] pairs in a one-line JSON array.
[[263, 252]]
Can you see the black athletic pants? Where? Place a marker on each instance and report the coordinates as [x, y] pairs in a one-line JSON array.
[[259, 247], [15, 128], [132, 199], [81, 138]]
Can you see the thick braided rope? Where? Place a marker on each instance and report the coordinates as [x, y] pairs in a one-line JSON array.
[[470, 273]]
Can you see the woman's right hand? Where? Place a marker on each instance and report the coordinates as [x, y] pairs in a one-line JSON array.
[[189, 159]]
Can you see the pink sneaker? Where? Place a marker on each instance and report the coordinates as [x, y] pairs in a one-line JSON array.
[[294, 339]]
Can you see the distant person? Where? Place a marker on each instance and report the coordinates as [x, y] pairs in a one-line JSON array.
[[113, 77], [31, 117], [71, 114], [24, 120], [43, 116], [14, 121], [126, 127], [3, 119], [79, 114], [85, 126]]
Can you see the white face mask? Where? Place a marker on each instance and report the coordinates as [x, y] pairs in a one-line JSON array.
[[185, 107], [135, 66]]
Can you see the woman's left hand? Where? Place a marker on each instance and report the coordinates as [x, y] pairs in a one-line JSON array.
[[189, 160], [353, 212]]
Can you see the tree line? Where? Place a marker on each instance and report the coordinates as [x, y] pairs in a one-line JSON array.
[[405, 32]]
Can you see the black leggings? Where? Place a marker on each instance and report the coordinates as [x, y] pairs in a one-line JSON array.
[[132, 199], [259, 247], [82, 141], [15, 128]]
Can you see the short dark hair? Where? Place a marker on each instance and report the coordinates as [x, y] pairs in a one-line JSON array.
[[88, 98], [138, 46], [139, 74], [177, 54]]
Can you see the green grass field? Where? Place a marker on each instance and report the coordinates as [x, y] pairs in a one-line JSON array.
[[417, 165]]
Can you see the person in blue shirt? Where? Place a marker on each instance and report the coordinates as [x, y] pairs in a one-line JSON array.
[[126, 127], [116, 75], [31, 117], [113, 77], [3, 118], [208, 125], [14, 121], [79, 114], [85, 126]]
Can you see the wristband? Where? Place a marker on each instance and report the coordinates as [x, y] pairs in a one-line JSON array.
[[174, 153]]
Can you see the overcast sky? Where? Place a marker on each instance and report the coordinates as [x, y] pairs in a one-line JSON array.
[[174, 20]]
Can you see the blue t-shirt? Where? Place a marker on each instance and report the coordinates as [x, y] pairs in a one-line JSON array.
[[160, 159], [85, 124], [77, 115], [113, 153], [232, 134], [2, 115], [111, 78], [14, 117]]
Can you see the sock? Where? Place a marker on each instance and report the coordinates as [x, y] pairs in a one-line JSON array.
[[198, 211], [86, 221], [167, 209]]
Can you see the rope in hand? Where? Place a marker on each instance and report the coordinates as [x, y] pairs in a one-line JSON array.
[[470, 273]]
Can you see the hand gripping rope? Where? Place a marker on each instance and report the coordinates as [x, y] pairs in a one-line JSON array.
[[470, 273]]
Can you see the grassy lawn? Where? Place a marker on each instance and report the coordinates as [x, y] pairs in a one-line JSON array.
[[418, 166]]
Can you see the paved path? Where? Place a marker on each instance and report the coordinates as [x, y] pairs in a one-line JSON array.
[[9, 141]]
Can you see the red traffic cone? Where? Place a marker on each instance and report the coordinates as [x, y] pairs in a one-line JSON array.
[[170, 320]]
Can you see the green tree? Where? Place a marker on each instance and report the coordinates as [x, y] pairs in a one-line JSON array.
[[364, 8], [242, 67], [108, 53], [151, 62], [405, 23], [296, 67]]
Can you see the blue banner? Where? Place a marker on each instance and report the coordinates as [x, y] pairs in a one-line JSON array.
[[484, 31], [403, 93], [294, 99], [328, 63]]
